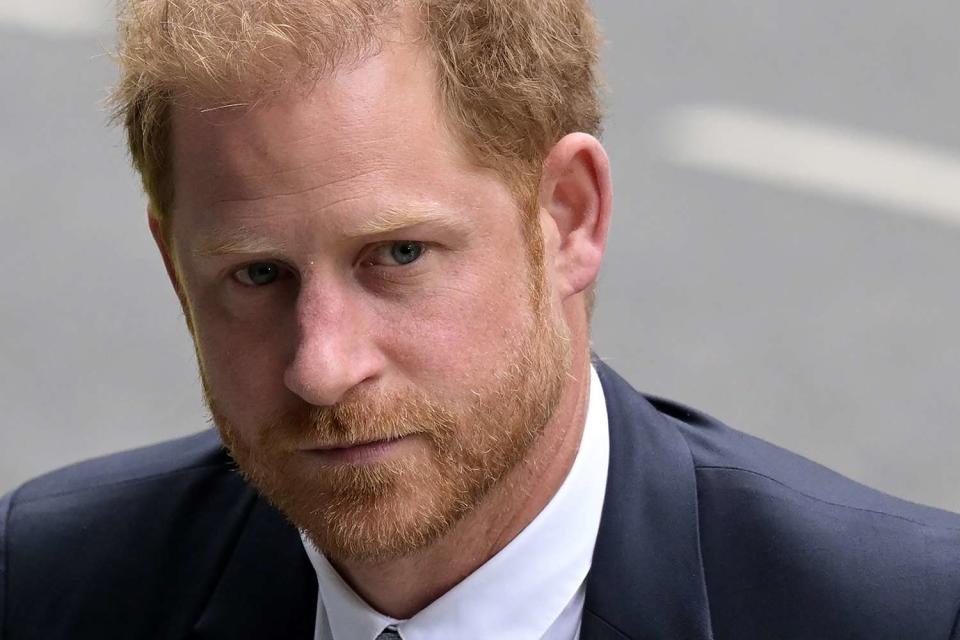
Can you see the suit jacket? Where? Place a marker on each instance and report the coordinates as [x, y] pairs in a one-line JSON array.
[[706, 533]]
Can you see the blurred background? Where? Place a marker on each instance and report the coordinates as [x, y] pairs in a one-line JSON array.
[[785, 250]]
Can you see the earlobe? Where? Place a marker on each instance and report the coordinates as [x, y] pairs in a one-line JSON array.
[[576, 193]]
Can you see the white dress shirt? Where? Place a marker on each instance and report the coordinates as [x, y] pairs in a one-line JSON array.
[[533, 589]]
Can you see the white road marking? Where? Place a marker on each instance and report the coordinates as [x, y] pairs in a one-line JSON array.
[[58, 17], [908, 178]]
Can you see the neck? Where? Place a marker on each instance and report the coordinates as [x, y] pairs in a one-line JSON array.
[[403, 586]]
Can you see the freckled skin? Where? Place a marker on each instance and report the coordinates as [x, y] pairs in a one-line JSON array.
[[301, 171]]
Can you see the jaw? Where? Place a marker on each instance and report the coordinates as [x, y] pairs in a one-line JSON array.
[[403, 585]]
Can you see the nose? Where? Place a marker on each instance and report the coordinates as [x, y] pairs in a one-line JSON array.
[[335, 349]]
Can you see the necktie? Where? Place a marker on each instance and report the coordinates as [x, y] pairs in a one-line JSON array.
[[390, 633]]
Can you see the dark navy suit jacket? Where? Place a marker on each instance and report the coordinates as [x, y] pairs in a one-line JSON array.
[[706, 533]]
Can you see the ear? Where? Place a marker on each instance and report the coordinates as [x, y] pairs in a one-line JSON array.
[[159, 237], [576, 196]]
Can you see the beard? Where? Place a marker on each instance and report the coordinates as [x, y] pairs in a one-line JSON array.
[[395, 506]]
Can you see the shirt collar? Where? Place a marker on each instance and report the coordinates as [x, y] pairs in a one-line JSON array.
[[519, 592]]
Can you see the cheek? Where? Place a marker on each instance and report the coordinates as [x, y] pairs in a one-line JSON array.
[[460, 330], [243, 358]]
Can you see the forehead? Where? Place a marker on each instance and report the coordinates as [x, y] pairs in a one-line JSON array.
[[370, 138], [379, 107]]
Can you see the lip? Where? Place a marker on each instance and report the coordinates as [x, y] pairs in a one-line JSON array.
[[358, 453]]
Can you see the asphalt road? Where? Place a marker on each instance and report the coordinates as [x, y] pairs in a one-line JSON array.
[[820, 317]]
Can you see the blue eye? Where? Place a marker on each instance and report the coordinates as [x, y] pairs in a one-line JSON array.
[[258, 274], [406, 252]]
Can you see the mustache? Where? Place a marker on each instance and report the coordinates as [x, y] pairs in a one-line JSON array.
[[357, 420]]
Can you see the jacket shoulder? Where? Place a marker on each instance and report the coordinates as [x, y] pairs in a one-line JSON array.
[[125, 538], [144, 464], [720, 448], [788, 543]]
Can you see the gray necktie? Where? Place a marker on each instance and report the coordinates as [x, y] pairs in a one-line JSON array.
[[390, 633]]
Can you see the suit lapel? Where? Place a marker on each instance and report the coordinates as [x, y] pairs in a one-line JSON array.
[[268, 588], [646, 579]]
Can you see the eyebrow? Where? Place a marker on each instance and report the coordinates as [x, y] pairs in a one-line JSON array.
[[392, 219], [239, 240]]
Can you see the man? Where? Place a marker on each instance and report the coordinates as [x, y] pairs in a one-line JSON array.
[[384, 221]]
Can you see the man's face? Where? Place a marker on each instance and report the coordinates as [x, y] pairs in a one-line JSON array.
[[351, 278]]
